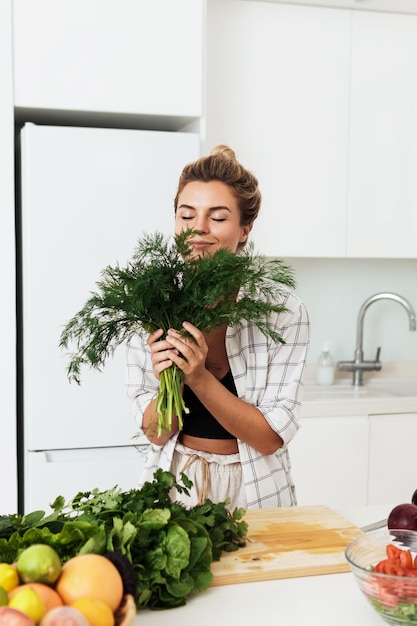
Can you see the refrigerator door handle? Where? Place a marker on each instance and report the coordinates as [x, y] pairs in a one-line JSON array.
[[85, 455]]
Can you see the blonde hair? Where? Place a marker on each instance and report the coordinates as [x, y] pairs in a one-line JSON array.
[[221, 164]]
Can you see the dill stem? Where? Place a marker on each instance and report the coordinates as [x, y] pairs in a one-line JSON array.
[[169, 399]]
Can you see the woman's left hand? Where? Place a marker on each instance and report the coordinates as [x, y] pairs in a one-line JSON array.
[[192, 352]]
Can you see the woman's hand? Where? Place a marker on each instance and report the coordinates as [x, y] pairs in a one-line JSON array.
[[161, 350], [190, 353]]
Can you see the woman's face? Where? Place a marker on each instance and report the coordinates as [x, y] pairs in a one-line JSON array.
[[211, 208]]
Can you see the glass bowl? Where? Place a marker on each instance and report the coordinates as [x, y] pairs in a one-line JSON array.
[[393, 597]]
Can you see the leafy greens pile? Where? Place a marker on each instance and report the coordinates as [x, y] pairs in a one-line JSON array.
[[170, 547], [163, 286]]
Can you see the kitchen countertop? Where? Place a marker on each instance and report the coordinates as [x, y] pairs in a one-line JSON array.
[[326, 600]]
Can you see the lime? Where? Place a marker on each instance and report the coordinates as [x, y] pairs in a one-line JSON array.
[[39, 564], [30, 603], [4, 598], [9, 578]]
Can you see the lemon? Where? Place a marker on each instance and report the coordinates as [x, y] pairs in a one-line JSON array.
[[9, 578], [4, 598], [97, 612], [30, 603], [39, 564]]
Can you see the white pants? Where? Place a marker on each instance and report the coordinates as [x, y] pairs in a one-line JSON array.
[[214, 476]]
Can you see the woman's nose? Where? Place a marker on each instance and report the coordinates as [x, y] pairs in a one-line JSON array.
[[202, 224]]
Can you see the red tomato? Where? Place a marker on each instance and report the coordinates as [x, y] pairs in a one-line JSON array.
[[393, 552], [406, 559]]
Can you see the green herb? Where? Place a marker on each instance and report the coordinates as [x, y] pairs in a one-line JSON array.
[[161, 287], [402, 613], [170, 547]]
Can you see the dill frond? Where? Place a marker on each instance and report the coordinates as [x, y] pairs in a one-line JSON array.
[[160, 288]]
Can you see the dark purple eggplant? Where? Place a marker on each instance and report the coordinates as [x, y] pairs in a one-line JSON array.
[[126, 571]]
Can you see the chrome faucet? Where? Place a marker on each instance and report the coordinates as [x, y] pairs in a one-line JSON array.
[[358, 366]]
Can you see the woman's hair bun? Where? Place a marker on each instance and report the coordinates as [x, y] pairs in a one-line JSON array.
[[223, 151]]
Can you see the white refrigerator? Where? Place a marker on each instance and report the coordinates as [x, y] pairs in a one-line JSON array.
[[87, 195]]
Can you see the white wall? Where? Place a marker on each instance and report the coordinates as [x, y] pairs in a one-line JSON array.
[[8, 464], [334, 290]]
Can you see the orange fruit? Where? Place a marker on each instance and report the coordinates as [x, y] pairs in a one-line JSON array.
[[49, 596], [90, 576], [97, 612]]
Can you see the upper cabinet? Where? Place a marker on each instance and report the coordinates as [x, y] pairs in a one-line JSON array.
[[110, 56], [321, 105], [382, 207], [395, 6], [277, 93]]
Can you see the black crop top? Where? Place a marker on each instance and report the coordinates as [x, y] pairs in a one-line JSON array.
[[199, 422]]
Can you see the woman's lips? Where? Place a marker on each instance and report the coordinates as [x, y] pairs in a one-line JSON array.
[[201, 245]]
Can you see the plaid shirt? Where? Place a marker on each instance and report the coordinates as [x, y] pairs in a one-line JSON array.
[[267, 375]]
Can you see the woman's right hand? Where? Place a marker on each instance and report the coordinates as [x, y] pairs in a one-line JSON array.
[[161, 350]]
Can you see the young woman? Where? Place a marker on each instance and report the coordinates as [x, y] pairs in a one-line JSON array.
[[243, 390]]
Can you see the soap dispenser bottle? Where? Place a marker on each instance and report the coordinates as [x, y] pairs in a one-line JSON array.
[[325, 367]]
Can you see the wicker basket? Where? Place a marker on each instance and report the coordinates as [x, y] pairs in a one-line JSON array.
[[126, 613]]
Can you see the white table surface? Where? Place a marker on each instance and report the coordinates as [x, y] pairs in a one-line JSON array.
[[327, 600]]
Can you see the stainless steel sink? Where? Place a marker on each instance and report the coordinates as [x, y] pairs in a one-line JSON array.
[[377, 388], [404, 387]]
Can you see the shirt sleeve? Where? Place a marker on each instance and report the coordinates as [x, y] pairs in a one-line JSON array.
[[142, 385], [268, 374]]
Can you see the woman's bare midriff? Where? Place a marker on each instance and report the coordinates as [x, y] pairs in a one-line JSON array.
[[215, 446]]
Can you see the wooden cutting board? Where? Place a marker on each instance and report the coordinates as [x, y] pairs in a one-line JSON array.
[[287, 543]]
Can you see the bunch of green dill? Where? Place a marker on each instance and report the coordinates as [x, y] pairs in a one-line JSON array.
[[161, 287]]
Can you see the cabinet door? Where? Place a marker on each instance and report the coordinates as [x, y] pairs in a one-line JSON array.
[[277, 92], [392, 458], [127, 56], [382, 215], [330, 461]]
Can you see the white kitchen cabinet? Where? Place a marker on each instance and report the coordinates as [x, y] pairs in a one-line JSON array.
[[355, 460], [392, 458], [119, 56], [277, 93], [394, 6], [382, 209], [321, 105], [330, 461]]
